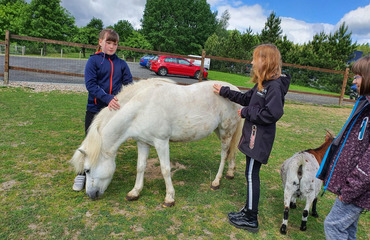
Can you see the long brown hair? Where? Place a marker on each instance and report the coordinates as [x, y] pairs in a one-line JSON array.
[[362, 67], [266, 64], [109, 35]]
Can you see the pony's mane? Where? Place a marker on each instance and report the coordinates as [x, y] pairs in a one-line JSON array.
[[131, 90], [92, 144]]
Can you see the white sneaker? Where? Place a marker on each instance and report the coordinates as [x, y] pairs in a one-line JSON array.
[[79, 182]]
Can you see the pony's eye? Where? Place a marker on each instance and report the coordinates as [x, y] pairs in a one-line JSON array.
[[87, 171]]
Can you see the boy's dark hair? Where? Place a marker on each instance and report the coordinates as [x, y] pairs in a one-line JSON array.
[[362, 68]]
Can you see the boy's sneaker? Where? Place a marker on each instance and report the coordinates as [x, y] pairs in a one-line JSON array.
[[79, 182]]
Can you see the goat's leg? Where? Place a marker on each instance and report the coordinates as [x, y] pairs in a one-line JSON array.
[[306, 210], [285, 221], [288, 196], [292, 203], [314, 211]]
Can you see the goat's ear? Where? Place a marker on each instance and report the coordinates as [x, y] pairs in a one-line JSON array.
[[329, 133], [82, 151]]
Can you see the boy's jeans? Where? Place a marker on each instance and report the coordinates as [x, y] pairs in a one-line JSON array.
[[341, 222]]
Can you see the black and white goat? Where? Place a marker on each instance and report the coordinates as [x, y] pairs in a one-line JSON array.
[[298, 174]]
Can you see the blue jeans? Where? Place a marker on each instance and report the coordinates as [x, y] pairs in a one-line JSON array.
[[341, 222]]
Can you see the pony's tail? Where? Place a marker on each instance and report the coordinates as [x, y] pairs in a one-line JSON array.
[[235, 140]]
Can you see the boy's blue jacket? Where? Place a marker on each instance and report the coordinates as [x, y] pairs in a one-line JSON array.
[[104, 77]]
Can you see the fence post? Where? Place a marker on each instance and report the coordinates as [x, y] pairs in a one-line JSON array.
[[343, 86], [202, 65], [6, 65]]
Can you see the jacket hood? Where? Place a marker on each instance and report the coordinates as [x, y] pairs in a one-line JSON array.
[[100, 53], [285, 81]]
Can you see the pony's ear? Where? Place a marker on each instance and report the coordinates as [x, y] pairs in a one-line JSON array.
[[82, 151]]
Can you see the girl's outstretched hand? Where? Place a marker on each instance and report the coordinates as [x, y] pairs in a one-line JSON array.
[[113, 104], [217, 88]]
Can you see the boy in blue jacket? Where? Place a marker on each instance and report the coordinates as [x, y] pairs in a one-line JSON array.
[[105, 74]]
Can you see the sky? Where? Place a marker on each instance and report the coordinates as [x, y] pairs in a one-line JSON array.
[[300, 19]]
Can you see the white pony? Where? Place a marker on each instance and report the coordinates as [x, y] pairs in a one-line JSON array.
[[155, 112]]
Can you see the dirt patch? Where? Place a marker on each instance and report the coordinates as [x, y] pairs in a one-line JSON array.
[[153, 169], [7, 185]]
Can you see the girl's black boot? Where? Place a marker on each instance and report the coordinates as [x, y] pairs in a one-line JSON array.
[[246, 221]]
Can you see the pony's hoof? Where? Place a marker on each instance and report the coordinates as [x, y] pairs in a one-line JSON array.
[[170, 204], [214, 188], [283, 229], [128, 198], [229, 177]]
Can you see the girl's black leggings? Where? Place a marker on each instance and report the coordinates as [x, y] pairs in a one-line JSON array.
[[252, 174]]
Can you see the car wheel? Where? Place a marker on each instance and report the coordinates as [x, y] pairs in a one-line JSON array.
[[196, 75], [162, 71]]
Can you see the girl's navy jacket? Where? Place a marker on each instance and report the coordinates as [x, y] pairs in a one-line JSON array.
[[104, 77], [261, 112]]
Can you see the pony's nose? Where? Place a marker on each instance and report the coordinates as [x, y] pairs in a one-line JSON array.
[[93, 194]]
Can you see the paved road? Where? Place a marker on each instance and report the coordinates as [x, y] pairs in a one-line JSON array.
[[78, 66]]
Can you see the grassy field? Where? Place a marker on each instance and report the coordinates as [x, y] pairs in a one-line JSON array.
[[40, 132]]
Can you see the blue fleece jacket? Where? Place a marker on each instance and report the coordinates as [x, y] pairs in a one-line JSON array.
[[104, 77]]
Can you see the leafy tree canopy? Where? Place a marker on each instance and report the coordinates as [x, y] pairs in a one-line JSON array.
[[179, 26], [271, 33], [47, 19]]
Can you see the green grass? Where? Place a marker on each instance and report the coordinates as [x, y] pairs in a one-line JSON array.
[[41, 131]]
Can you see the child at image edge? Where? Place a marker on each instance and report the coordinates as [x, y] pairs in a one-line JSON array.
[[345, 168], [105, 74], [263, 108]]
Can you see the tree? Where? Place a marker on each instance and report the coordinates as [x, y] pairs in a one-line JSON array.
[[90, 33], [47, 19], [179, 26], [124, 29], [222, 24], [271, 33], [136, 40], [12, 16]]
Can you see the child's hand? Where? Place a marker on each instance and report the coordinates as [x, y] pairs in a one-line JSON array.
[[217, 88], [113, 104], [240, 112]]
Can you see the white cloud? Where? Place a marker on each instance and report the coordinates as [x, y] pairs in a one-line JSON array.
[[109, 11], [358, 22]]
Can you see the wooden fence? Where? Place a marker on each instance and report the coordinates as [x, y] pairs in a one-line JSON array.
[[8, 67]]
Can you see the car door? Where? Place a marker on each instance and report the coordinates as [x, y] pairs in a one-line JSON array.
[[171, 64], [185, 67]]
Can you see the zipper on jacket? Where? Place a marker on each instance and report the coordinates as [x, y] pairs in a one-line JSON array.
[[363, 128], [111, 76], [253, 137]]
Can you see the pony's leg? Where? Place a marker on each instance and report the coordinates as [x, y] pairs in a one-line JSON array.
[[143, 153], [225, 146], [163, 151]]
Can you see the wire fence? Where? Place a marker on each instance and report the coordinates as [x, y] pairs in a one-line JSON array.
[[23, 57]]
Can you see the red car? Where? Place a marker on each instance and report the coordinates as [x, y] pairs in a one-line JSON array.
[[163, 65]]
